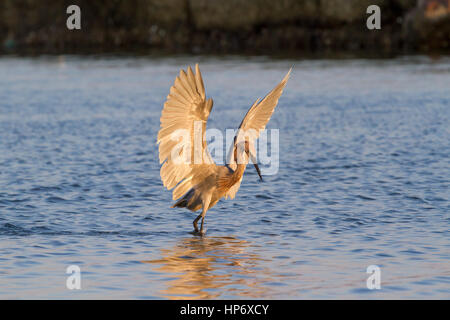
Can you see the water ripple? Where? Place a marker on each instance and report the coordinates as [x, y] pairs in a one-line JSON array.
[[363, 179]]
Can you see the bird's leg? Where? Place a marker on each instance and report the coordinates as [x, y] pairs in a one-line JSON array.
[[203, 220], [195, 222], [206, 203]]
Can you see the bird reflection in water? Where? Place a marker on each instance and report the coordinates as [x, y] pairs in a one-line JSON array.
[[208, 268]]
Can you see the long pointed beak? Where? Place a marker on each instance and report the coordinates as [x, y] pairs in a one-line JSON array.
[[259, 172], [252, 157]]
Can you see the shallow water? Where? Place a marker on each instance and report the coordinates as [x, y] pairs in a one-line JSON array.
[[363, 180]]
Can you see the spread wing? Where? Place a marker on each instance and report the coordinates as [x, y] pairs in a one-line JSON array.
[[260, 112], [183, 125], [254, 121]]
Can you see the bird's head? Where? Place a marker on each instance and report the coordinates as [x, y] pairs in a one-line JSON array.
[[245, 150]]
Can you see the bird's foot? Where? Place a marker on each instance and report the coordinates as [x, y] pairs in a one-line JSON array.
[[202, 230], [200, 233], [195, 227]]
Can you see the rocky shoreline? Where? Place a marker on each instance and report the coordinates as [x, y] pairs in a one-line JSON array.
[[233, 26]]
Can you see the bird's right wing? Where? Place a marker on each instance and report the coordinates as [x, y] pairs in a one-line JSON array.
[[185, 113]]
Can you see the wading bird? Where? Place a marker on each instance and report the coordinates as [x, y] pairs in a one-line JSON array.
[[201, 184]]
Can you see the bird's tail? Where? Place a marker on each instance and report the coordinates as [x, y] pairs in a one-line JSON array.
[[182, 203], [190, 200]]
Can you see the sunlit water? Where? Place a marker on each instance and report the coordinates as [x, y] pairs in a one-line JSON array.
[[363, 179]]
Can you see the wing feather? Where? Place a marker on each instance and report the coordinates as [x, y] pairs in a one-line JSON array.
[[254, 121], [199, 82], [231, 193], [260, 112], [185, 104]]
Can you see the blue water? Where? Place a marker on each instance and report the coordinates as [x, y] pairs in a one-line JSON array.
[[363, 179]]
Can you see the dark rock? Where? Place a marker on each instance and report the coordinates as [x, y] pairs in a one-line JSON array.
[[224, 26]]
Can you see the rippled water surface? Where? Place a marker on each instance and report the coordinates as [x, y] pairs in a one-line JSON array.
[[363, 179]]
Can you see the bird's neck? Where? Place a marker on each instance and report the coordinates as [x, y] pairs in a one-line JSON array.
[[237, 174]]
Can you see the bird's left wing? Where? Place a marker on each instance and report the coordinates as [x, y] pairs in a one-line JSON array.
[[254, 121], [260, 112], [185, 113]]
